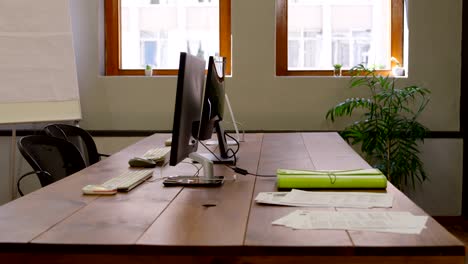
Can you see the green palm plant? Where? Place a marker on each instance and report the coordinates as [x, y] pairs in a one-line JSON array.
[[387, 131]]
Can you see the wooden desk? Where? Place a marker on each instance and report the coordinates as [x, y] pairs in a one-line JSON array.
[[153, 224]]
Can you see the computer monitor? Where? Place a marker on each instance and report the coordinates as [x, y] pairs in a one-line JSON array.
[[187, 112], [188, 103], [213, 109]]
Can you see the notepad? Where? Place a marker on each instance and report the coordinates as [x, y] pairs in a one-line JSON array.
[[360, 179]]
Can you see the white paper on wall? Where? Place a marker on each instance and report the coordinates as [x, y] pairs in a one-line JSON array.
[[37, 60]]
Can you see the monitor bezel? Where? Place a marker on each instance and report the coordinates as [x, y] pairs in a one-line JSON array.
[[188, 107]]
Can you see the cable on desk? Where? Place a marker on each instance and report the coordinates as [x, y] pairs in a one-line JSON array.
[[238, 146], [235, 168], [234, 153], [245, 172], [197, 173], [155, 179], [241, 125]]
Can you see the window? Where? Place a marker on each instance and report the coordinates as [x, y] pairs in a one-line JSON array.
[[154, 32], [153, 49], [313, 35]]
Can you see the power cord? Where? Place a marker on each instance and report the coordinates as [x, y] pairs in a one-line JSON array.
[[227, 151], [242, 139], [235, 168], [245, 172], [237, 143]]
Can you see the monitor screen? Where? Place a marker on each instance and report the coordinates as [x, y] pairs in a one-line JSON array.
[[188, 105]]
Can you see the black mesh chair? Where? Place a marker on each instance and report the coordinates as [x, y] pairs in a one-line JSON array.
[[80, 138], [51, 158]]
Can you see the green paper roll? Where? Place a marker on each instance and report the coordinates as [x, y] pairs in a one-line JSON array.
[[369, 178]]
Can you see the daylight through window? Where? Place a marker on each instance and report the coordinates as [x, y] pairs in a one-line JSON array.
[[154, 32], [314, 35]]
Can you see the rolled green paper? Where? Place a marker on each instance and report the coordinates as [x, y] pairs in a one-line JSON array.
[[359, 179]]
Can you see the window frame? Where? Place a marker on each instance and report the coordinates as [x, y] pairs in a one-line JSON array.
[[113, 36], [396, 31]]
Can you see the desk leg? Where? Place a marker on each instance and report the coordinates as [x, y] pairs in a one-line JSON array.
[[13, 163]]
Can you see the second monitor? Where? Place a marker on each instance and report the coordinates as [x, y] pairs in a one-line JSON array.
[[213, 110]]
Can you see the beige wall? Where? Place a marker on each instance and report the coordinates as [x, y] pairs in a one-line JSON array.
[[260, 99]]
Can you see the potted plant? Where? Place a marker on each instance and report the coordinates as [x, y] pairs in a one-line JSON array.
[[337, 69], [148, 70], [388, 130]]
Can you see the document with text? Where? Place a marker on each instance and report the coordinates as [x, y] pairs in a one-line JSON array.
[[327, 199], [395, 222]]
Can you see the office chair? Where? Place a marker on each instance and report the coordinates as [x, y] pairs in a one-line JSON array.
[[80, 138], [51, 158]]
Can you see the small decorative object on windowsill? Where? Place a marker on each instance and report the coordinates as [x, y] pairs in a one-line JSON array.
[[337, 70], [397, 70], [148, 70]]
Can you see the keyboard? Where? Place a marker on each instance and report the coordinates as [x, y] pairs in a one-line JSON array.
[[157, 154], [128, 180]]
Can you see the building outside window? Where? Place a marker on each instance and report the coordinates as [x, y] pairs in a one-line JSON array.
[[321, 33], [326, 32], [154, 32]]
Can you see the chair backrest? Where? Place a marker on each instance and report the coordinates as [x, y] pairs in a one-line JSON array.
[[54, 157], [79, 137]]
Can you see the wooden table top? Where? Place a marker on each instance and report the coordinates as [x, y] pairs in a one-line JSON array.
[[153, 219]]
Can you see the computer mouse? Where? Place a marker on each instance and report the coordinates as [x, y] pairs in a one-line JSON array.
[[141, 162]]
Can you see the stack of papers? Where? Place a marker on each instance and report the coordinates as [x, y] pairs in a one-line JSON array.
[[327, 199], [394, 222]]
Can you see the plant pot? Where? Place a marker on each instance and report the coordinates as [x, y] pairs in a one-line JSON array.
[[337, 72], [398, 71], [148, 72]]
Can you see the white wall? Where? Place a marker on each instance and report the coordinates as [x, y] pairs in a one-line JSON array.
[[263, 101]]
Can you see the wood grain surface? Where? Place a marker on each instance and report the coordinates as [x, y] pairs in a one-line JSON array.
[[156, 224]]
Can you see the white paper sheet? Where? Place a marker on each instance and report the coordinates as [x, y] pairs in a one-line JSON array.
[[272, 198], [327, 199], [395, 222], [37, 59]]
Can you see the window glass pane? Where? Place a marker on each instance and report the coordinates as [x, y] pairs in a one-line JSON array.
[[339, 32], [149, 52], [340, 52], [312, 48], [293, 53], [156, 31], [361, 47]]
